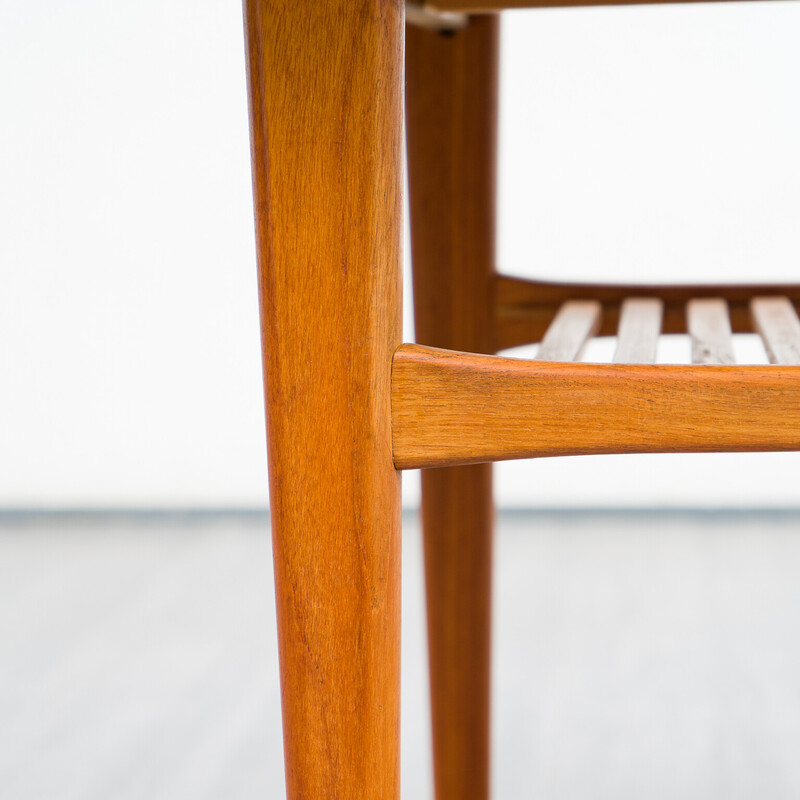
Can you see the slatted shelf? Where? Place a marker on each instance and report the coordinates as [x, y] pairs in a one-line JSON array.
[[451, 8], [640, 324]]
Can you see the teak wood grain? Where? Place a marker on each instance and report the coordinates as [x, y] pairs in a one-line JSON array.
[[325, 99], [460, 408], [451, 100]]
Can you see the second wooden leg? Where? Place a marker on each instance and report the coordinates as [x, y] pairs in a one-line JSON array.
[[451, 122], [457, 522]]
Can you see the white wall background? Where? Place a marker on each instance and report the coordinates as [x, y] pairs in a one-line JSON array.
[[652, 143]]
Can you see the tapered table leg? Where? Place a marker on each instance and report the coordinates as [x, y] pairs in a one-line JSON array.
[[325, 82], [451, 129]]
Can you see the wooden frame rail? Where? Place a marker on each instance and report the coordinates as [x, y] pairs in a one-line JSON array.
[[459, 408]]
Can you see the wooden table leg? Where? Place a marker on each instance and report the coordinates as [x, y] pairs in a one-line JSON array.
[[451, 105], [325, 82]]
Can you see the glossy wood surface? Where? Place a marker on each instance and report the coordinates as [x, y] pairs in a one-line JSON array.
[[460, 408], [326, 112], [524, 308], [451, 131]]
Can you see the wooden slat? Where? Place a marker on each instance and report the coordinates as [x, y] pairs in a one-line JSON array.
[[574, 324], [710, 329], [458, 408], [639, 328], [775, 319]]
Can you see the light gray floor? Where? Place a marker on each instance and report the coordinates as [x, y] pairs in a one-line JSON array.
[[637, 656]]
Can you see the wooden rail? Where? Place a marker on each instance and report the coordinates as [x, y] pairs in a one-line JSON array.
[[458, 408]]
